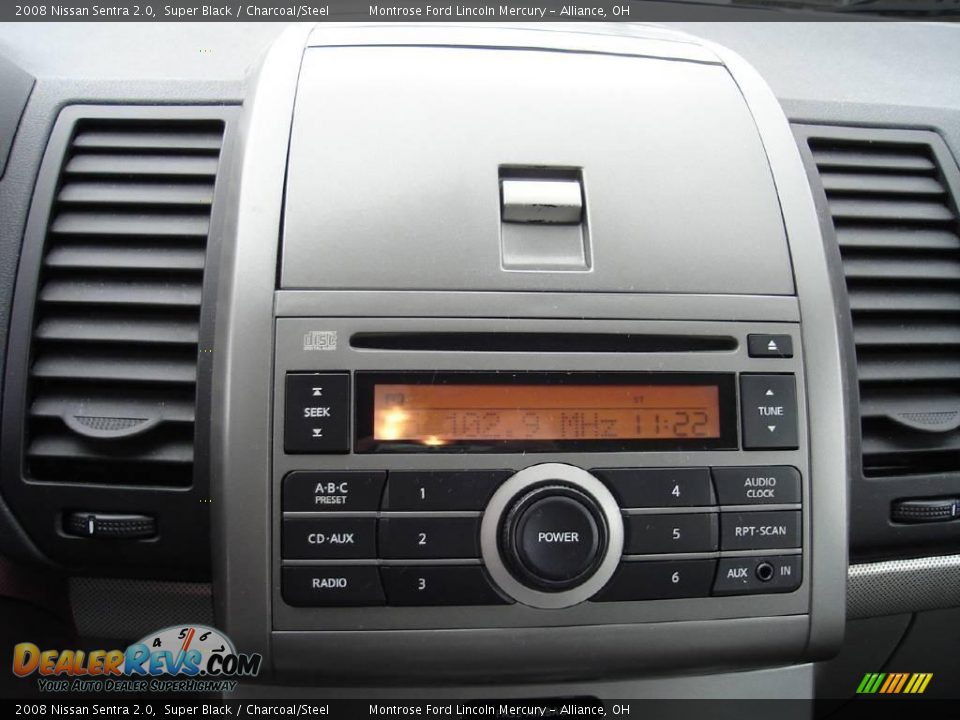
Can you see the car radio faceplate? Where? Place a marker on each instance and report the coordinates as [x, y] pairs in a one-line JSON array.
[[669, 484]]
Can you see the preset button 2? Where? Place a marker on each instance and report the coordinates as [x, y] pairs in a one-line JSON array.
[[415, 538]]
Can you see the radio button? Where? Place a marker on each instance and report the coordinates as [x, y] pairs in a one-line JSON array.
[[769, 410], [762, 574], [308, 491], [438, 585], [646, 534], [317, 413], [659, 580], [331, 586], [659, 487], [441, 490], [760, 530], [756, 485], [329, 538], [427, 538]]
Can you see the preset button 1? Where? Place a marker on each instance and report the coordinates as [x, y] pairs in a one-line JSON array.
[[441, 489]]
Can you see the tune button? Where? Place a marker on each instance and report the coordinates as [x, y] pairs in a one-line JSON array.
[[554, 537]]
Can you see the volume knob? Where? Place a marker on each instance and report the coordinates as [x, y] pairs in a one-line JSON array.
[[554, 537], [551, 535]]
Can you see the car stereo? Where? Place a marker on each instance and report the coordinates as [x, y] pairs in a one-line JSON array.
[[412, 476], [547, 384]]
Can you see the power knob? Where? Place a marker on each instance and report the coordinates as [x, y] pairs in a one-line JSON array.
[[551, 535]]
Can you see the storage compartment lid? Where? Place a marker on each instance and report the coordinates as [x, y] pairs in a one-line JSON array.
[[397, 155]]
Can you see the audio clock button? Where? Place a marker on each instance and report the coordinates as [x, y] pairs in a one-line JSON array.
[[757, 485]]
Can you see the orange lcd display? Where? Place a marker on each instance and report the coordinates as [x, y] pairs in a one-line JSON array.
[[441, 414]]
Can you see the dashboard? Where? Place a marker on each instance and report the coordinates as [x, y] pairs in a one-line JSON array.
[[530, 360]]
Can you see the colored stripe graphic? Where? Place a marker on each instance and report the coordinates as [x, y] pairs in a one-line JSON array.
[[894, 683], [903, 680], [892, 679]]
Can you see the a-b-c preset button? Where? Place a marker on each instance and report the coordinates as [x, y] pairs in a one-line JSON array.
[[333, 490], [329, 538]]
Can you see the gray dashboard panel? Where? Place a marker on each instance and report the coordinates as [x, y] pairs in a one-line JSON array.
[[396, 186], [244, 401]]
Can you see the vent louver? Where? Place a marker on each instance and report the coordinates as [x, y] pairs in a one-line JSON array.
[[896, 226], [115, 344]]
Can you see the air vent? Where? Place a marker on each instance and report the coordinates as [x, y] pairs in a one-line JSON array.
[[113, 376], [896, 225]]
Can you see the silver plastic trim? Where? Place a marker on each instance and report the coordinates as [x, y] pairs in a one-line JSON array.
[[902, 586], [508, 492]]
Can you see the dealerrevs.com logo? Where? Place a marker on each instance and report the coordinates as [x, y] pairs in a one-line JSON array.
[[192, 658]]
